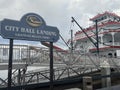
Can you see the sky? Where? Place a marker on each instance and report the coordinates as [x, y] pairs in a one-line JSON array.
[[57, 13]]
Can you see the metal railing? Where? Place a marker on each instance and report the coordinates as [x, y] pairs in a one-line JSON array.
[[65, 65]]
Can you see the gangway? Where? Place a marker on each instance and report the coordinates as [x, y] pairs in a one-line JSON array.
[[65, 65], [4, 66]]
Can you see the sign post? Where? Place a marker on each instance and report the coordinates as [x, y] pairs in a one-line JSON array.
[[10, 64], [51, 66], [31, 27]]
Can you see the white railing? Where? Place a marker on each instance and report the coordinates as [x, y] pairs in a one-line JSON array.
[[116, 43]]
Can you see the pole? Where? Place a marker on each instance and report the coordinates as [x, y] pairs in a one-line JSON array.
[[10, 64], [84, 31], [97, 38], [71, 59], [51, 66], [71, 40]]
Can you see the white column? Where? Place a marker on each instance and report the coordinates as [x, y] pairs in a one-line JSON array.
[[101, 40], [105, 70], [113, 39]]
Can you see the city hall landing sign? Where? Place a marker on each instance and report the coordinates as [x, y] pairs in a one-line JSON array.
[[31, 27]]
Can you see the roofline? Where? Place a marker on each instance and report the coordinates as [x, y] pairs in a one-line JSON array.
[[104, 48], [93, 27], [106, 12]]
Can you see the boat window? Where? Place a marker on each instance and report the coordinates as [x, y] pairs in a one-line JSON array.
[[110, 55]]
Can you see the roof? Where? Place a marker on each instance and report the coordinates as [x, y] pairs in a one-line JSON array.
[[93, 27], [54, 46], [105, 13]]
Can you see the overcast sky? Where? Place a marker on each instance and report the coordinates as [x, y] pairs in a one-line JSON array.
[[58, 12]]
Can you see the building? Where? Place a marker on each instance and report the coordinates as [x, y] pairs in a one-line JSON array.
[[19, 52], [23, 53], [108, 25]]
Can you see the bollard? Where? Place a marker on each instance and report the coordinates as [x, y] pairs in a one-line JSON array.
[[105, 70], [87, 83]]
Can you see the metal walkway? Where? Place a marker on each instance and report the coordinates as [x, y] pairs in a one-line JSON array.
[[65, 65]]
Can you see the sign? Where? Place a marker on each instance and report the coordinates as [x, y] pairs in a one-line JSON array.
[[31, 27]]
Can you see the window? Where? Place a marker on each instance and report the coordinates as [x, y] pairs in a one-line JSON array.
[[5, 51]]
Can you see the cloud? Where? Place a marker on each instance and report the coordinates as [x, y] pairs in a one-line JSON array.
[[58, 12]]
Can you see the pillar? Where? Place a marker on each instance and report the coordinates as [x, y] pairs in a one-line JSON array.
[[113, 39], [87, 83], [105, 70]]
